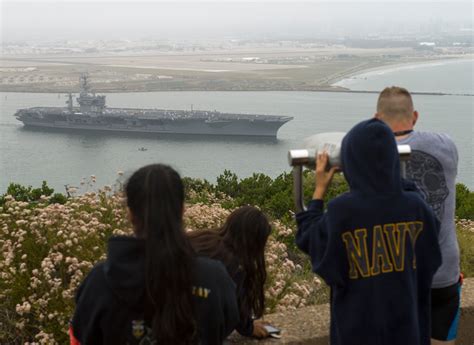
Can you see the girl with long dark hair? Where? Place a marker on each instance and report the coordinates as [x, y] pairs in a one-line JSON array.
[[240, 245], [152, 289]]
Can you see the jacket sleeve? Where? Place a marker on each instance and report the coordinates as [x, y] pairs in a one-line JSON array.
[[309, 228], [229, 302], [224, 313], [410, 186], [314, 238], [245, 326], [85, 323]]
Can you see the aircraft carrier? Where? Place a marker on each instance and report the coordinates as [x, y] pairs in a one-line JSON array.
[[93, 115]]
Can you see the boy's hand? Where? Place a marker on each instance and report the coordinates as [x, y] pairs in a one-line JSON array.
[[323, 177]]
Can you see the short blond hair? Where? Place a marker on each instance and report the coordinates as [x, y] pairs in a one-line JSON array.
[[395, 103]]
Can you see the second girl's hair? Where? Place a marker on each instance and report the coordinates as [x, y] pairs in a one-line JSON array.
[[155, 196], [240, 241]]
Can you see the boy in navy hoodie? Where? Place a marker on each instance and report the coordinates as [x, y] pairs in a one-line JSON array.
[[376, 246]]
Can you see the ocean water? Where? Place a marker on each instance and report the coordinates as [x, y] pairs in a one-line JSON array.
[[445, 76], [64, 158]]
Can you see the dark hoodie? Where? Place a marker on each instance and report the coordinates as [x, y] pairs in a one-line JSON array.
[[110, 307], [376, 246]]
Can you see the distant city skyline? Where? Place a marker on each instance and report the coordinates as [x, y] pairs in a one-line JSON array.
[[110, 19]]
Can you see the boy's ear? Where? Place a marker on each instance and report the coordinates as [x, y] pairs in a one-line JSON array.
[[377, 116], [415, 117]]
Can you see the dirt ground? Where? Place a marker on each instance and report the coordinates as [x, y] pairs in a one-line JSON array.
[[310, 325]]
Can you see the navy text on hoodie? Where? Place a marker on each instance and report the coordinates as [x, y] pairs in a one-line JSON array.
[[376, 246]]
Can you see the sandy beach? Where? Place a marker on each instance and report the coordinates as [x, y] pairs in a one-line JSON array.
[[342, 82]]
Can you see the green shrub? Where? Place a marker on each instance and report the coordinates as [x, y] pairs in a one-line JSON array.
[[275, 196], [465, 233], [227, 183], [32, 195], [464, 202]]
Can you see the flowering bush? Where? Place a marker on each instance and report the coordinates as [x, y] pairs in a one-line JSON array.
[[47, 249]]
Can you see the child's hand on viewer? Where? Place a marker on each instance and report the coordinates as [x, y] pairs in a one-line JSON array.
[[322, 175]]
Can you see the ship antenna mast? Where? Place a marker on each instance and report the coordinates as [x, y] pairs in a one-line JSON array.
[[89, 103], [69, 103], [85, 87]]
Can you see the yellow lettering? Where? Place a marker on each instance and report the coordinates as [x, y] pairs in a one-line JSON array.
[[379, 253], [388, 248], [357, 253], [414, 229], [396, 244]]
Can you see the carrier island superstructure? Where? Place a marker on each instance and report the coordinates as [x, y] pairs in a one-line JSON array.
[[93, 115]]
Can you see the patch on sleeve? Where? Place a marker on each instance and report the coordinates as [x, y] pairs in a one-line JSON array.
[[200, 291], [142, 335]]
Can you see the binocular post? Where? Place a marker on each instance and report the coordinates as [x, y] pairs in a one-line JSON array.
[[403, 169], [404, 152], [298, 159], [298, 188]]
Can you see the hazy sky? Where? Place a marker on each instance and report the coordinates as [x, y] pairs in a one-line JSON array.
[[53, 20]]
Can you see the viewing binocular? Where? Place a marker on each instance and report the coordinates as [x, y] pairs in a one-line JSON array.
[[330, 143]]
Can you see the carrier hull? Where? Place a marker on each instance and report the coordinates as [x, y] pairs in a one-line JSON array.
[[192, 123], [93, 115]]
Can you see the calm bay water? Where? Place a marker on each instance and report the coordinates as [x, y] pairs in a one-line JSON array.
[[28, 157], [446, 76]]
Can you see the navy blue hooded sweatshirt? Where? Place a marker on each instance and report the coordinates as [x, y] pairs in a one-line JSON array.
[[110, 303], [376, 246]]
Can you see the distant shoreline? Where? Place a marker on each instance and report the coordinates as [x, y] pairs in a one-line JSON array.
[[290, 80], [338, 90], [397, 66]]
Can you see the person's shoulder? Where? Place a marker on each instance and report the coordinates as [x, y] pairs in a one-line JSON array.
[[414, 201], [96, 273], [204, 262], [207, 266], [343, 200], [94, 282], [441, 138], [439, 145], [212, 274], [413, 197]]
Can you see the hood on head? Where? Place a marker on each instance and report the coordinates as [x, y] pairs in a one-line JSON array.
[[370, 160], [124, 268]]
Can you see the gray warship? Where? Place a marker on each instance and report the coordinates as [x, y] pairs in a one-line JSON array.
[[93, 115]]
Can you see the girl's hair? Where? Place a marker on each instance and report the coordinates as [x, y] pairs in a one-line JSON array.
[[240, 243], [155, 197]]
